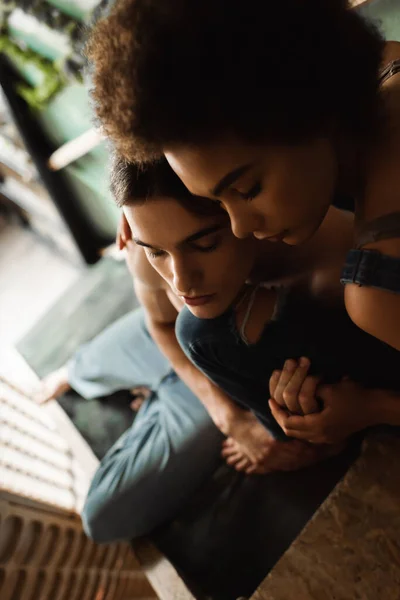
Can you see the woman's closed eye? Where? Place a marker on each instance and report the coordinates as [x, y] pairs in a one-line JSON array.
[[252, 192]]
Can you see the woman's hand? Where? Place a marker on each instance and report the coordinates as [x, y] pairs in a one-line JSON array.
[[347, 408], [292, 388]]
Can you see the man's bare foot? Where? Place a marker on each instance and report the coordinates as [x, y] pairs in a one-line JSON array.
[[235, 456], [53, 386], [299, 455]]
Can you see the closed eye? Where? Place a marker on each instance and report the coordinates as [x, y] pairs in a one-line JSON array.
[[207, 244], [252, 193], [154, 253], [209, 248]]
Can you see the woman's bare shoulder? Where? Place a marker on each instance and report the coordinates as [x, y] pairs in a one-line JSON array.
[[391, 52]]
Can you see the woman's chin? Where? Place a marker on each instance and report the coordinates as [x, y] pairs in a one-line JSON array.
[[300, 237]]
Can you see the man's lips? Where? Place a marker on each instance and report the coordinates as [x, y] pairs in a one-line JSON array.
[[198, 300]]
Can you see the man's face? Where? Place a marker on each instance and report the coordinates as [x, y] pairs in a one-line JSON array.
[[198, 256]]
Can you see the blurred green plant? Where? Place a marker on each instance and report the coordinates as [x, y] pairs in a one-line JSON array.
[[43, 79]]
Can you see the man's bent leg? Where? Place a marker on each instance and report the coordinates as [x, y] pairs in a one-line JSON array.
[[123, 356], [155, 467]]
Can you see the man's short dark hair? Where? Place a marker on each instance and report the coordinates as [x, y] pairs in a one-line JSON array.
[[169, 72], [133, 183]]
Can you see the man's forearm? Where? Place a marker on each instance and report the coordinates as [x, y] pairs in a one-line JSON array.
[[218, 405]]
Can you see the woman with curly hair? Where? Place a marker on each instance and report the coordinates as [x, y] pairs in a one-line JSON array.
[[273, 109]]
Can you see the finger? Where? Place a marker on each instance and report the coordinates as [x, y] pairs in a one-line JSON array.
[[293, 422], [294, 426], [286, 374], [293, 387], [308, 396], [273, 382], [301, 435], [280, 414]]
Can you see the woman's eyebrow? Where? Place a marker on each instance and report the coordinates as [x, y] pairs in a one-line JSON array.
[[230, 178]]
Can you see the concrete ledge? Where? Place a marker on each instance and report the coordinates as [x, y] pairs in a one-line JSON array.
[[350, 549]]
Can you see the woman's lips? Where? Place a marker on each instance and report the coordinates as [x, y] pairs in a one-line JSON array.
[[271, 238], [198, 300], [279, 237]]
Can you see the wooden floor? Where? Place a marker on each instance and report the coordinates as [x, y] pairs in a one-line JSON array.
[[49, 306], [32, 278], [101, 295]]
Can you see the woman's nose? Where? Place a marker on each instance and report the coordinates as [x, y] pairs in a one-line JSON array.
[[245, 222]]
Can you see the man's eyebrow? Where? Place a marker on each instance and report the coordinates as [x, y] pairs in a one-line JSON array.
[[140, 243], [191, 238], [203, 233], [230, 178]]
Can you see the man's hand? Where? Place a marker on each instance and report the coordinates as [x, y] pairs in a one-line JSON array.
[[292, 388], [124, 233], [347, 408], [251, 448]]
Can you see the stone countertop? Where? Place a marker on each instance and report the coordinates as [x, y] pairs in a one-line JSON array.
[[350, 549]]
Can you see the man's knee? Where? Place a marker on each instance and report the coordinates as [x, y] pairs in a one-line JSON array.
[[107, 520]]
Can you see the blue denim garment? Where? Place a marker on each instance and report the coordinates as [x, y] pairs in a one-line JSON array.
[[327, 336], [372, 269]]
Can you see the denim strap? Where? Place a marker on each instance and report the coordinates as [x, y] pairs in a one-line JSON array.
[[372, 269]]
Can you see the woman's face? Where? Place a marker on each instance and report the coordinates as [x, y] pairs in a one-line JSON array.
[[280, 192], [198, 256]]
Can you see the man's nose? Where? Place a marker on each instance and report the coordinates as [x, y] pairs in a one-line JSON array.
[[186, 277]]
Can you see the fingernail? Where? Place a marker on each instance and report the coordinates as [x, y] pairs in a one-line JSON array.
[[304, 362], [290, 365]]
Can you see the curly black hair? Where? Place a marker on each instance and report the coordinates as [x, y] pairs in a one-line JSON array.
[[133, 183], [169, 72]]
